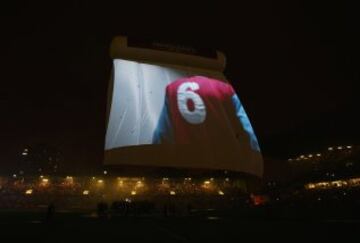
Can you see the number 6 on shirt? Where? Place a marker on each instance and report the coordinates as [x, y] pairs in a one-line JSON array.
[[190, 104]]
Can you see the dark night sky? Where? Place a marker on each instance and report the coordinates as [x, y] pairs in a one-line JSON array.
[[294, 65]]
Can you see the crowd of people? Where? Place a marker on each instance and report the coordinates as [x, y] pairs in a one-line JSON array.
[[121, 195]]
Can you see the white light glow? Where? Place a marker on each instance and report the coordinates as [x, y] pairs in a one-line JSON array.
[[29, 192]]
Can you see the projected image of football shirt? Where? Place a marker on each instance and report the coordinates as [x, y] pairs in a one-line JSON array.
[[200, 110]]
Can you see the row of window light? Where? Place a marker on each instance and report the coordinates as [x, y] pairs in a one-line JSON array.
[[304, 157], [340, 147]]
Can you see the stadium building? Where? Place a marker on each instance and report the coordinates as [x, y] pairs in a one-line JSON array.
[[171, 112], [176, 132]]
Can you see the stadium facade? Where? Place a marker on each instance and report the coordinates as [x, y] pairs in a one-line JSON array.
[[172, 112]]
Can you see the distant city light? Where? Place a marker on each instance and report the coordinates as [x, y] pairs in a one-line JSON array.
[[24, 153], [14, 175], [133, 193], [100, 181], [334, 184], [28, 191], [318, 155], [302, 156], [172, 193], [330, 148], [227, 179], [105, 172], [86, 192], [139, 184], [220, 192], [44, 182], [120, 183], [338, 183], [207, 182], [310, 186], [349, 146], [69, 179], [310, 155], [339, 147]]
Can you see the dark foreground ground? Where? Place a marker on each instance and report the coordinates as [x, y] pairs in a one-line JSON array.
[[30, 226]]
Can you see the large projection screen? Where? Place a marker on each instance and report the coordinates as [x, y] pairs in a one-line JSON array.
[[177, 116]]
